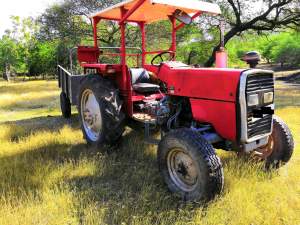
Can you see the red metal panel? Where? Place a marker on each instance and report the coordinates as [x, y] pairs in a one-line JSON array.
[[153, 69], [222, 116], [215, 84], [87, 54]]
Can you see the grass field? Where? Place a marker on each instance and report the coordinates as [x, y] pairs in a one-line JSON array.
[[49, 176]]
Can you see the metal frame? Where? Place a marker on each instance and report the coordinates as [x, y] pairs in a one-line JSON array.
[[122, 23], [243, 107], [125, 81]]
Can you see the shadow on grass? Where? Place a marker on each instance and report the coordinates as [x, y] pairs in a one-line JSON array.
[[31, 104], [40, 124], [125, 181]]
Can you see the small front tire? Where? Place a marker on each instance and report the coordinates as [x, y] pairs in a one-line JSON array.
[[280, 147], [283, 144], [190, 166]]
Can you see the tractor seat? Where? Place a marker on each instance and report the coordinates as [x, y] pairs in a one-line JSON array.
[[141, 81]]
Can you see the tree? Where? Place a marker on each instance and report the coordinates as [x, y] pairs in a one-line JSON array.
[[57, 22], [23, 32], [286, 49], [241, 16], [43, 58], [8, 55]]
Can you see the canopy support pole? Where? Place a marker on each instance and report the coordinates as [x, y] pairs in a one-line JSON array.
[[123, 50], [143, 31], [96, 20], [173, 46], [131, 11]]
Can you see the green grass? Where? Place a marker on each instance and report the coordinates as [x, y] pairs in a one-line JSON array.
[[49, 176]]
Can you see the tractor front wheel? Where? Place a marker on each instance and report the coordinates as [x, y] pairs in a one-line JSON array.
[[190, 166], [99, 107], [280, 146]]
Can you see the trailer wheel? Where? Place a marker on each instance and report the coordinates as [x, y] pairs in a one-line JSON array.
[[280, 146], [190, 166], [65, 105], [99, 107]]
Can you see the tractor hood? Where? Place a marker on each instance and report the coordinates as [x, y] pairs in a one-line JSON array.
[[201, 83]]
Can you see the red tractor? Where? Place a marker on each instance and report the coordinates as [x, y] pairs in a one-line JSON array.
[[196, 109]]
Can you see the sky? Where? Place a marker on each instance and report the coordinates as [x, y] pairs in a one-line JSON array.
[[25, 8], [22, 8]]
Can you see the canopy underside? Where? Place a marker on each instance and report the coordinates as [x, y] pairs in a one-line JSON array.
[[155, 10]]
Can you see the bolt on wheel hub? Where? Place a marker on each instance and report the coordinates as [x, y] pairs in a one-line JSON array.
[[182, 169]]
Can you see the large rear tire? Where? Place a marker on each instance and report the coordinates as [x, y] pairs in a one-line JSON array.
[[190, 166], [100, 113]]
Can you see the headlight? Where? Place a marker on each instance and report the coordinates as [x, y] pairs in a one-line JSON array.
[[268, 97], [253, 100]]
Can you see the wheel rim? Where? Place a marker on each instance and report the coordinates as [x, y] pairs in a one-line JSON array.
[[182, 169], [91, 115], [265, 152]]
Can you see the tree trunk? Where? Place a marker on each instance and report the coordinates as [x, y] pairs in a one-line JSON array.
[[7, 72]]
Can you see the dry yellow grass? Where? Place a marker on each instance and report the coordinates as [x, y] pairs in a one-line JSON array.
[[49, 176]]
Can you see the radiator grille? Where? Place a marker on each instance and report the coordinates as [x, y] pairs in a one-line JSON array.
[[259, 126], [259, 84]]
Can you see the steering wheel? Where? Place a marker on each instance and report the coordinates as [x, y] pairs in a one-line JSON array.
[[171, 53]]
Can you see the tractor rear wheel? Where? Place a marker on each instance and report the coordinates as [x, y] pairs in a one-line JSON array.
[[65, 105], [280, 146], [99, 107], [190, 166]]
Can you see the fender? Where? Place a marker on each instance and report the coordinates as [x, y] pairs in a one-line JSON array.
[[220, 114]]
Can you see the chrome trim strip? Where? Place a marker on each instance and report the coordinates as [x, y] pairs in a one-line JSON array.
[[243, 105], [248, 147]]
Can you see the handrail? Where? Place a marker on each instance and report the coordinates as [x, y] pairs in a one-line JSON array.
[[67, 72], [119, 48]]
